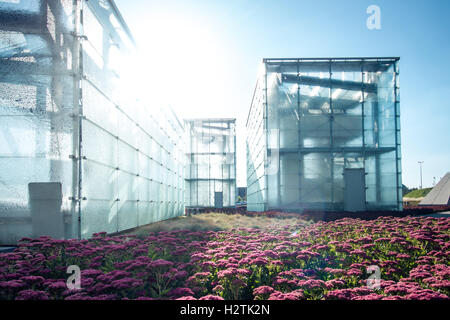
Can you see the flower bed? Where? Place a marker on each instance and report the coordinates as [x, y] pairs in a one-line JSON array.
[[273, 214], [325, 260], [337, 215]]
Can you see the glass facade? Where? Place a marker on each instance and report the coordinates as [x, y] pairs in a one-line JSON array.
[[64, 119], [210, 163], [324, 134]]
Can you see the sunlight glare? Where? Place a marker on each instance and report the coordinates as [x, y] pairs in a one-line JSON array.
[[180, 63]]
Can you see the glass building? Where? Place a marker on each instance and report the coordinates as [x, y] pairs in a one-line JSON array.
[[210, 163], [324, 134], [76, 155]]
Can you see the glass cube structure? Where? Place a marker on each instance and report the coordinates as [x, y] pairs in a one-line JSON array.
[[64, 119], [324, 134], [210, 163]]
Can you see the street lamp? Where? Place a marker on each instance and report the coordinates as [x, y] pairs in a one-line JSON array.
[[420, 163]]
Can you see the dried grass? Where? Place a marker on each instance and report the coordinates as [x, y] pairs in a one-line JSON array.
[[215, 222]]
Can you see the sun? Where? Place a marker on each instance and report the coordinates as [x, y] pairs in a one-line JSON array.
[[179, 62]]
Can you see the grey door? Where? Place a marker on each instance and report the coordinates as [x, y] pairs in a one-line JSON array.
[[45, 200], [218, 199], [355, 190]]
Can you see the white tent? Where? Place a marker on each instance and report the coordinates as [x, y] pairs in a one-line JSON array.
[[440, 194]]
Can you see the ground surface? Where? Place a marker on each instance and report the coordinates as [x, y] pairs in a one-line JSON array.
[[217, 222]]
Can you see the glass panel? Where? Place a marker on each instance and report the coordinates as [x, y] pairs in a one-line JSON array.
[[127, 204], [99, 145], [98, 216], [99, 211]]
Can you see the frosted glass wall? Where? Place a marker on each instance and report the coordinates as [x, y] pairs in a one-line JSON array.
[[210, 163], [132, 172], [316, 118], [64, 118], [256, 146], [36, 107]]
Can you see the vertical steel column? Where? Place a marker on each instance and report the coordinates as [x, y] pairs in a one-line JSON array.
[[222, 164], [224, 153], [363, 125], [278, 114], [331, 137], [77, 67], [299, 136], [376, 116], [397, 143], [194, 165], [362, 108], [234, 165], [197, 181], [265, 119]]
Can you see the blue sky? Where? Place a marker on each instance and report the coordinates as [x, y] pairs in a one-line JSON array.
[[202, 56]]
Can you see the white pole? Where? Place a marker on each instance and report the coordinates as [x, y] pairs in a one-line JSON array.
[[420, 163]]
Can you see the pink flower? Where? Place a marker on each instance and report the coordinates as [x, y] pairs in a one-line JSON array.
[[160, 263], [59, 285], [354, 272], [77, 296], [126, 283], [263, 290], [92, 273], [32, 279], [311, 284], [293, 295], [277, 262], [259, 261], [186, 298], [180, 292], [211, 297], [227, 273], [371, 296], [218, 288], [32, 295]]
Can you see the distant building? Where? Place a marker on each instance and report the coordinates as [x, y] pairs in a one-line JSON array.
[[324, 134], [210, 170]]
